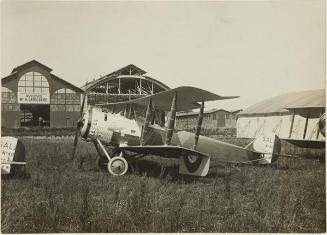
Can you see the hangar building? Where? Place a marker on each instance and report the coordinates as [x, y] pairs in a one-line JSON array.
[[33, 96], [127, 83], [212, 119], [292, 115]]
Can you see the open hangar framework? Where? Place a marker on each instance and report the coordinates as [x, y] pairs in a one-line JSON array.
[[127, 83]]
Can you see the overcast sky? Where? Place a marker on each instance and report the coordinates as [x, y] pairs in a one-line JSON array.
[[254, 49]]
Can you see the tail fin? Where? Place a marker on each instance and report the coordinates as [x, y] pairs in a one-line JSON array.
[[269, 146]]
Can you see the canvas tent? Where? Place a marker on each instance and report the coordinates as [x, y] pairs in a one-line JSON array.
[[292, 115]]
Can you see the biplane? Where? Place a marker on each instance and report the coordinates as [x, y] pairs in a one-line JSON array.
[[12, 156], [314, 144], [122, 134]]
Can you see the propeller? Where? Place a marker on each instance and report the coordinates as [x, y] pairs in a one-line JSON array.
[[79, 125]]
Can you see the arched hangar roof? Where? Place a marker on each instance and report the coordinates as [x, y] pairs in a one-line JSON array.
[[285, 102], [128, 72]]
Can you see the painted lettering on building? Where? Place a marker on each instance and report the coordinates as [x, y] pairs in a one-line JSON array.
[[33, 98]]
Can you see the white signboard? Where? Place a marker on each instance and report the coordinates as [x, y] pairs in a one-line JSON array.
[[8, 146], [33, 98]]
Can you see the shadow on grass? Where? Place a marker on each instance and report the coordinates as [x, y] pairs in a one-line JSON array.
[[22, 176], [153, 169]]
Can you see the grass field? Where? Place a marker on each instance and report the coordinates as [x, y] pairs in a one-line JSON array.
[[73, 196]]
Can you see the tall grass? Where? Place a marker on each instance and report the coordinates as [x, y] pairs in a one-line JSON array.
[[73, 196]]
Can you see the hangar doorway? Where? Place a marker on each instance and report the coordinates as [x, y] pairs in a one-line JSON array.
[[32, 115]]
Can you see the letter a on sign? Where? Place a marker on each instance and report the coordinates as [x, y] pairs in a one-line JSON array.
[[8, 147]]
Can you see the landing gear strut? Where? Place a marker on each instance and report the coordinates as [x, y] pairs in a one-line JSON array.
[[116, 166]]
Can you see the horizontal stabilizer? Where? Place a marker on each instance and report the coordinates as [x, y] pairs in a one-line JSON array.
[[187, 98]]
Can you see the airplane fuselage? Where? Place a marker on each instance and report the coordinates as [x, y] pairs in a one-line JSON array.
[[116, 130]]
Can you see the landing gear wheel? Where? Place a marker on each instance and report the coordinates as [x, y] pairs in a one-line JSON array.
[[102, 163], [117, 166]]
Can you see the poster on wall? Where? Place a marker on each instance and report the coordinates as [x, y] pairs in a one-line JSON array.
[[33, 98]]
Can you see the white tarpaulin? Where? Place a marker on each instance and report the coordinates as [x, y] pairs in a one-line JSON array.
[[293, 115]]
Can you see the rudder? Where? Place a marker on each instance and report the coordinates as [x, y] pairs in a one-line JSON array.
[[269, 146]]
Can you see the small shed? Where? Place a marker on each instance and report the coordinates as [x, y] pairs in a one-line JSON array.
[[212, 119]]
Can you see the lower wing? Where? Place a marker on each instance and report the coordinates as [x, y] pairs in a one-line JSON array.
[[317, 144], [191, 162], [168, 151]]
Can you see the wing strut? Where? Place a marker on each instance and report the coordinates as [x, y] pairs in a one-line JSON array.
[[171, 120], [125, 110], [147, 121], [130, 110], [153, 116], [198, 126]]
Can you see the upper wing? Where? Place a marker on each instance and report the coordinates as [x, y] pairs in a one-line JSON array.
[[187, 98], [165, 151]]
